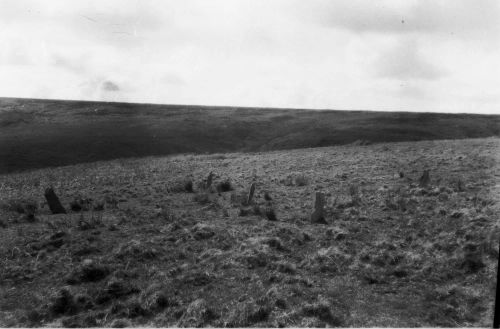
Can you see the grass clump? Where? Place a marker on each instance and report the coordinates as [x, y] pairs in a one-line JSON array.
[[135, 308], [355, 194], [248, 211], [198, 314], [63, 302], [188, 186], [270, 214], [238, 198], [185, 186], [323, 311], [266, 212], [248, 313], [14, 205], [202, 198], [224, 186], [166, 214], [121, 323], [202, 232], [295, 180], [158, 297], [116, 288], [92, 222], [452, 306], [135, 249], [98, 206], [472, 262], [286, 267], [88, 272], [80, 204], [27, 208], [301, 180]]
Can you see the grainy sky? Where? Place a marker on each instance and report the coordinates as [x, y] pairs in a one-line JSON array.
[[425, 55]]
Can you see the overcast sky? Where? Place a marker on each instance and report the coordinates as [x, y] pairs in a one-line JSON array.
[[425, 55]]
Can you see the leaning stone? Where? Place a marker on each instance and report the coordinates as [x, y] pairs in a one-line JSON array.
[[250, 194], [53, 201]]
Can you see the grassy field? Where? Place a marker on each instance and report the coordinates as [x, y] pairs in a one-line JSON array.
[[148, 251], [43, 133]]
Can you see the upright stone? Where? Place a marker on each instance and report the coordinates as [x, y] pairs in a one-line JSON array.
[[209, 180], [250, 194], [318, 216], [425, 179], [53, 201]]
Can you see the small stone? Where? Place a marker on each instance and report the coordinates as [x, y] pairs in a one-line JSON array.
[[425, 179]]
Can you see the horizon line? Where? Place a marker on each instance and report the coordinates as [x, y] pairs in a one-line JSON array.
[[241, 107]]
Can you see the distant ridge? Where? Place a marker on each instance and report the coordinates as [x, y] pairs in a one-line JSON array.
[[36, 133]]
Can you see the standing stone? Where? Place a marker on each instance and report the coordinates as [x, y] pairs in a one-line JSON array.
[[250, 194], [53, 201], [318, 216], [209, 180], [425, 179]]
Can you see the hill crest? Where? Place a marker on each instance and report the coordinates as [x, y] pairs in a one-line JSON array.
[[43, 133]]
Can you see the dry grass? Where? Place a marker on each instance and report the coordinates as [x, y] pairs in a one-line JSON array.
[[392, 253]]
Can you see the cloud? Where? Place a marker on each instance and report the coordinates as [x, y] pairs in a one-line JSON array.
[[406, 62], [385, 54], [110, 86], [75, 63], [357, 16], [460, 17]]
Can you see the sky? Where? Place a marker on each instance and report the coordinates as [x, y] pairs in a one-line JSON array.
[[411, 55]]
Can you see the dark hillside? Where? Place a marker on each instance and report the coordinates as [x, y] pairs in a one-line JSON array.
[[40, 133]]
